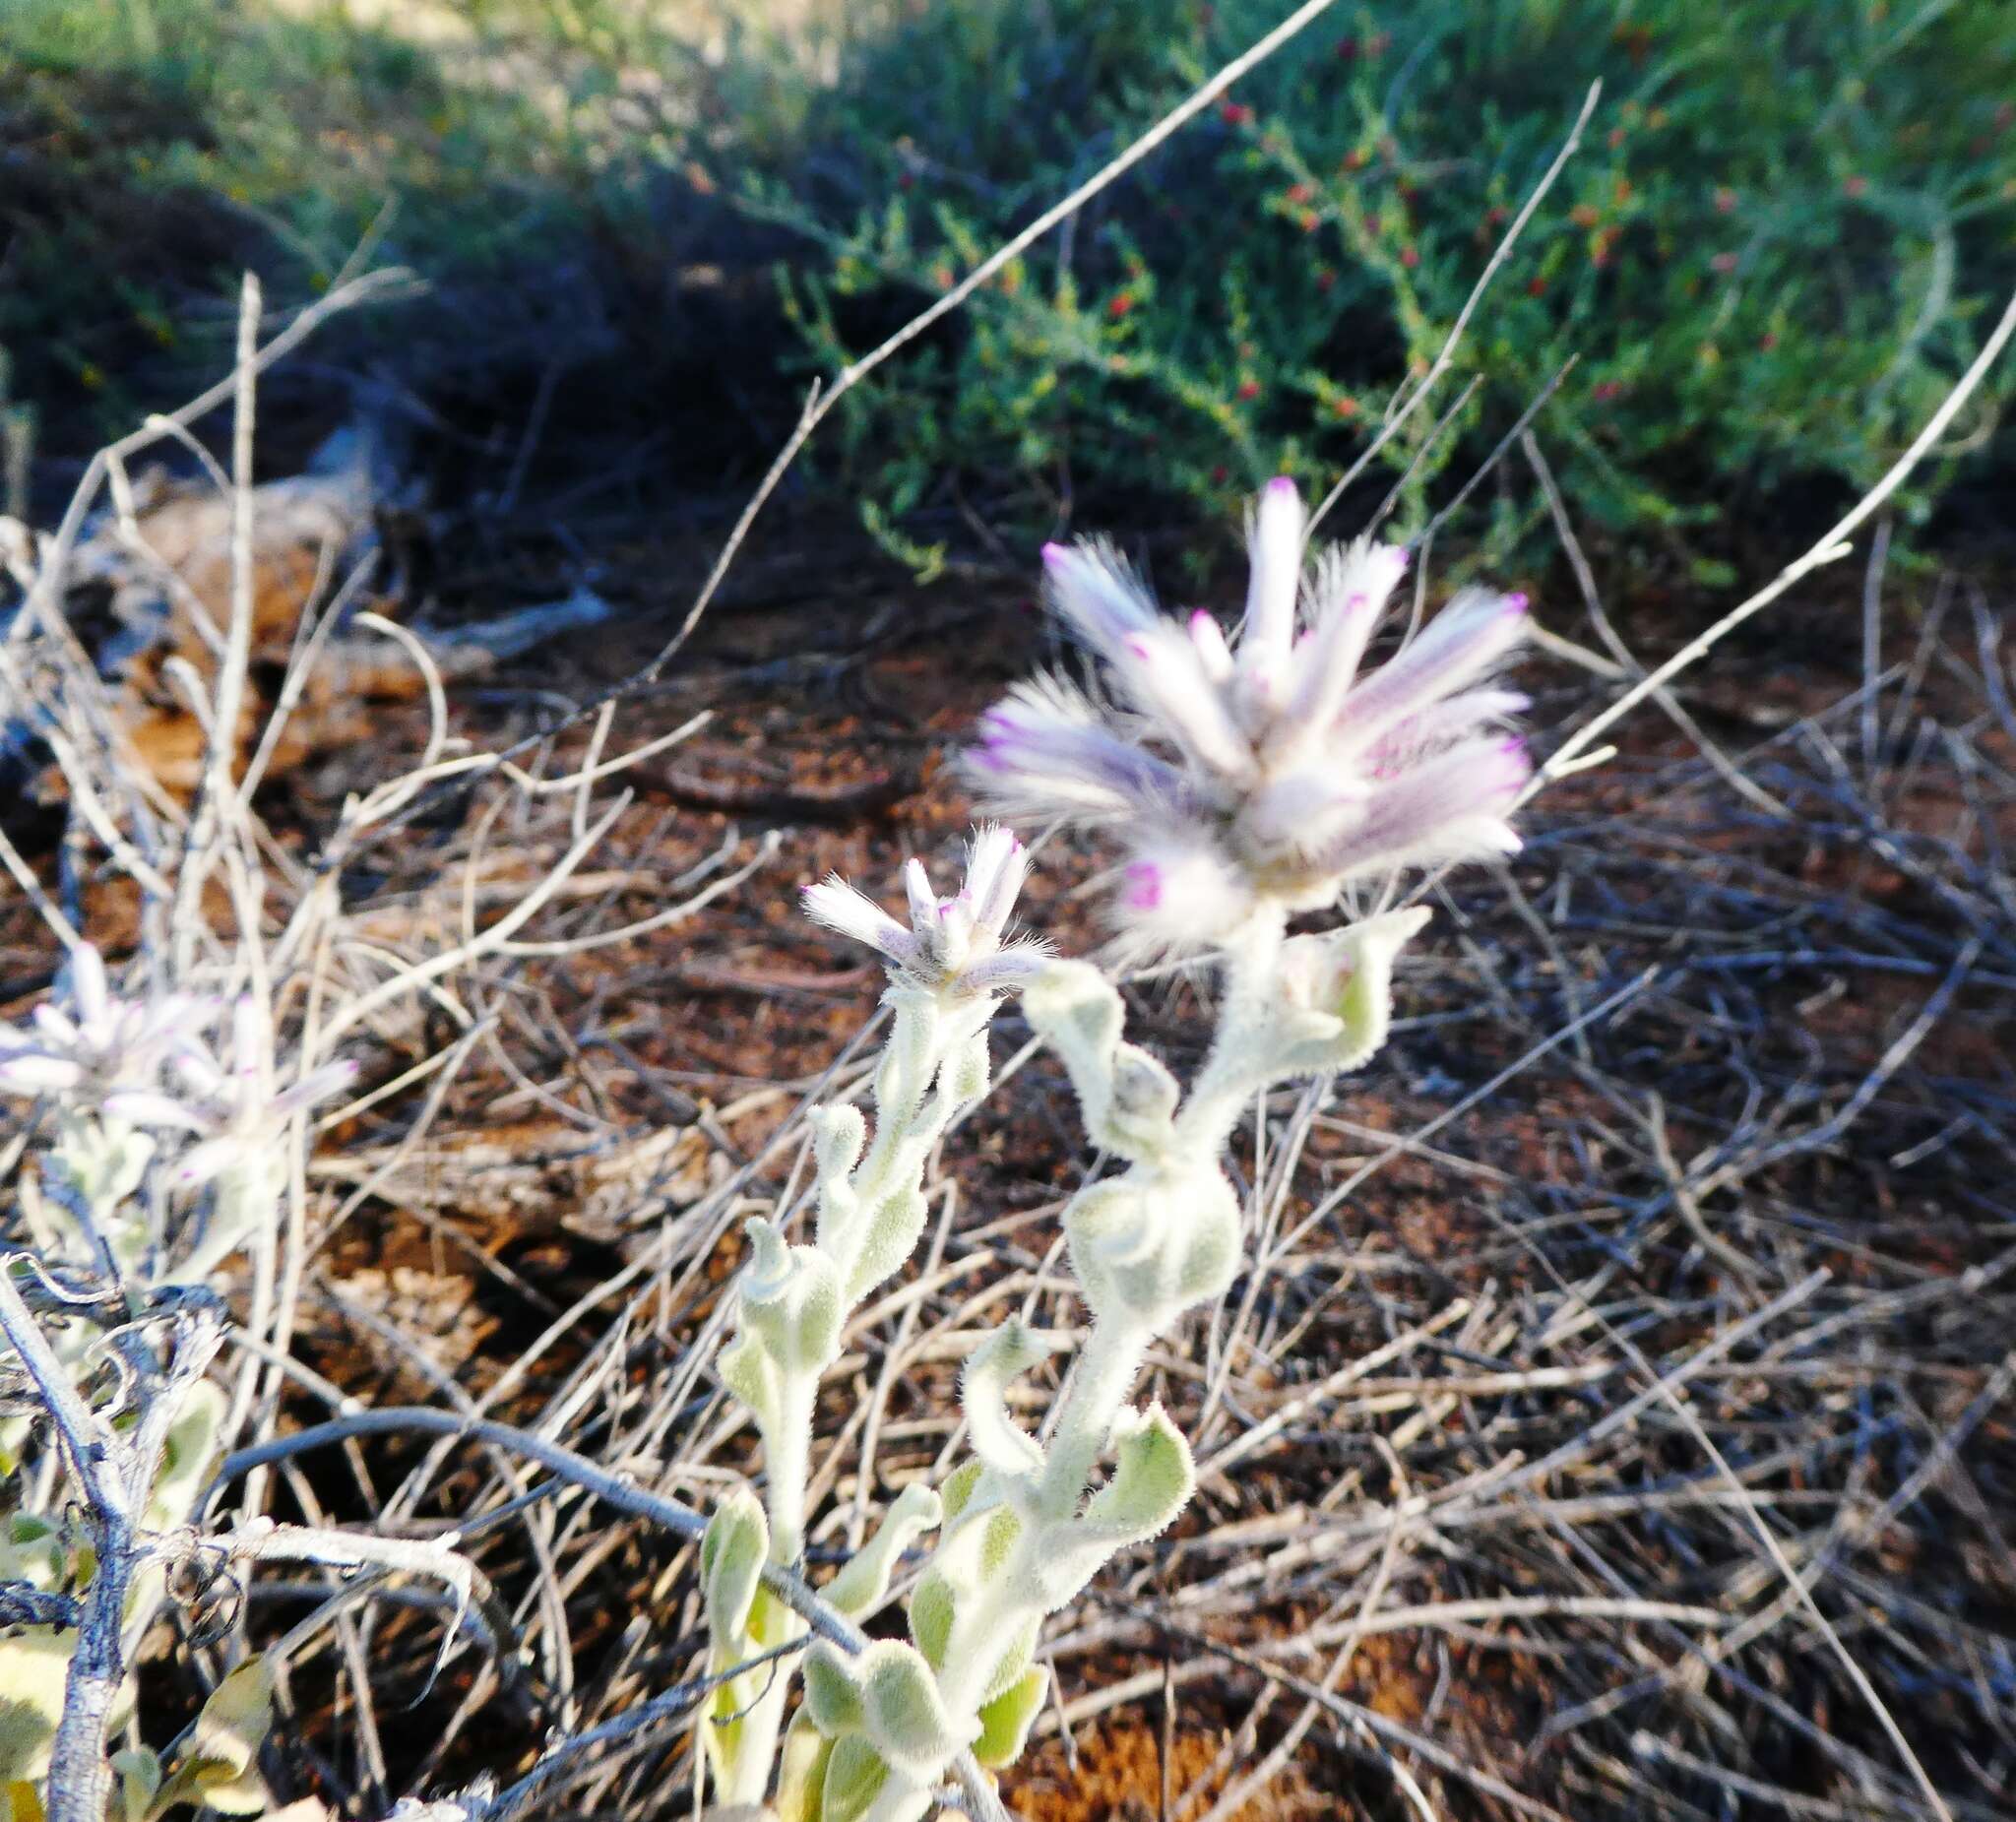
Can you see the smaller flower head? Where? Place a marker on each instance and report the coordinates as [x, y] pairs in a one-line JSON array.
[[102, 1045], [1273, 768], [957, 943], [234, 1112]]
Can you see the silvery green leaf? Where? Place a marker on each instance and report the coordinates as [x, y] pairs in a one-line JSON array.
[[35, 1666], [1146, 1248], [854, 1776], [1141, 1105], [860, 1586], [893, 1232], [903, 1713], [1005, 1721], [1002, 1446], [838, 1134], [1077, 1010], [219, 1771], [790, 1301], [833, 1691], [933, 1610], [733, 1552], [1151, 1481], [959, 1489], [801, 1772], [1333, 1001], [965, 1073], [906, 1068], [747, 1370], [188, 1457]]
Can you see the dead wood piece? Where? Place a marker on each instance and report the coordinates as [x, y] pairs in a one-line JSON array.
[[857, 800], [541, 1178]]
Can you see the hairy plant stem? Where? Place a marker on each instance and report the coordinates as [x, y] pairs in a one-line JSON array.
[[1099, 1384], [1217, 1100], [1103, 1378], [909, 1119], [788, 1473]]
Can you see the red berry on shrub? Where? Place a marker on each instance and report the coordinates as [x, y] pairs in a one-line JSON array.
[[1235, 113], [1582, 214], [1221, 474], [1767, 340], [1855, 186], [1604, 391], [1347, 49], [1325, 278], [1723, 262], [1250, 389], [1346, 408], [1410, 257], [1310, 221], [1301, 192], [1536, 287], [1123, 302]]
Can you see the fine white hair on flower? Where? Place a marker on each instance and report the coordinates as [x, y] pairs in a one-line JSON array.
[[1274, 766], [233, 1109], [957, 943], [104, 1043], [150, 1063]]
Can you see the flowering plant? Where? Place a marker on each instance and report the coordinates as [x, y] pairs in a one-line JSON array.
[[167, 1152], [1250, 779]]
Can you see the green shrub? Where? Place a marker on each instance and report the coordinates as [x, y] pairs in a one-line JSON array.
[[1770, 258]]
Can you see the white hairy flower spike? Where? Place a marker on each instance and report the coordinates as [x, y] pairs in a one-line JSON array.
[[1275, 768], [232, 1112], [104, 1044], [957, 943]]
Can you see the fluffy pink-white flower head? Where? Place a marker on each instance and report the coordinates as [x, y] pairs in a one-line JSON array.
[[1275, 767], [957, 943], [234, 1111], [104, 1043]]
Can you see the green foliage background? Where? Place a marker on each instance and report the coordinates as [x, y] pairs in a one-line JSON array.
[[1775, 251], [1785, 233]]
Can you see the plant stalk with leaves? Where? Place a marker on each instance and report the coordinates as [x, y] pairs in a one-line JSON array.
[[1249, 782]]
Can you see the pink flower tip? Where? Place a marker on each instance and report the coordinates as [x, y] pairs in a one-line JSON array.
[[1517, 604], [1282, 487], [1144, 885], [1137, 648], [1054, 555]]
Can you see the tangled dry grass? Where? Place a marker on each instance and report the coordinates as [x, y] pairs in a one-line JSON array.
[[1616, 1417], [1613, 1419]]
